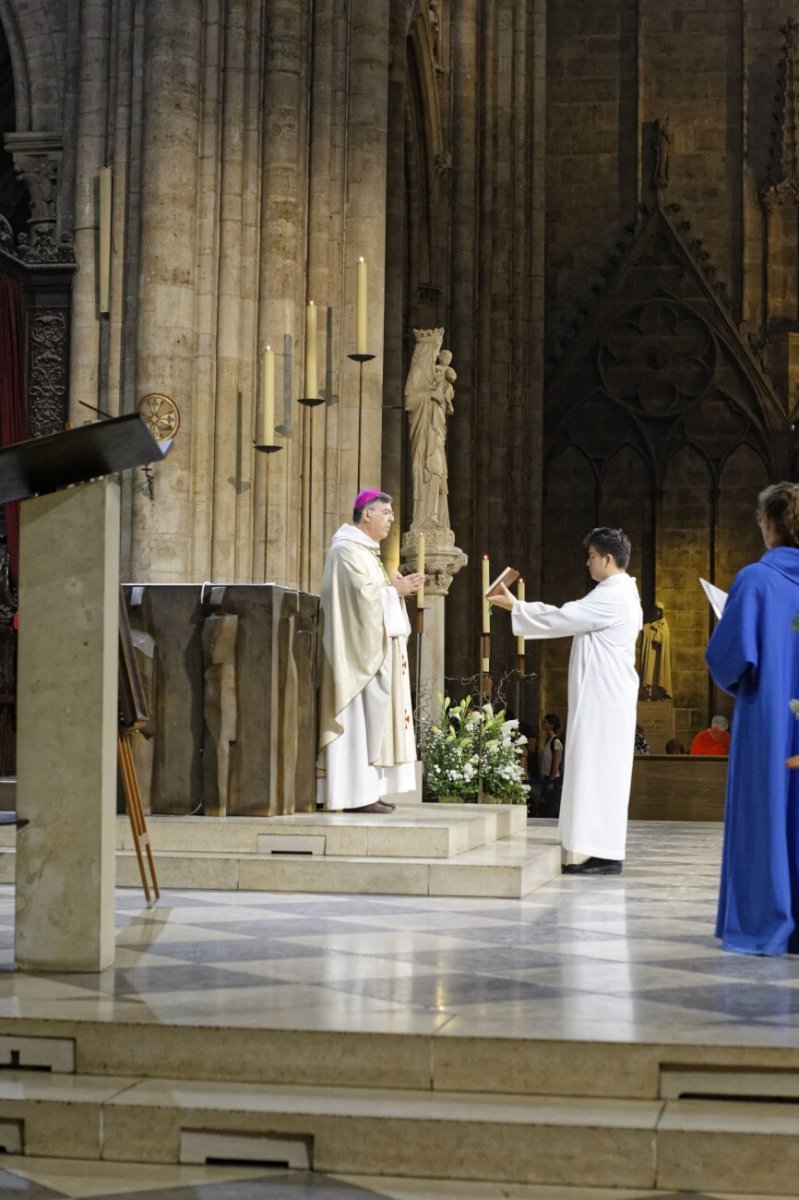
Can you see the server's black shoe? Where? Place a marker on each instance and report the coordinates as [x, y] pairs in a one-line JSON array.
[[594, 866]]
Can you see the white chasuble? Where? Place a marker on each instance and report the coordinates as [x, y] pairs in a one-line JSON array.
[[603, 699], [367, 747]]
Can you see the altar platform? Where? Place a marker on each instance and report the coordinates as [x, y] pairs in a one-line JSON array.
[[590, 1036], [418, 850]]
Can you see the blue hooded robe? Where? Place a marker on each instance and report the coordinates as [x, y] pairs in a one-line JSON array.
[[753, 654]]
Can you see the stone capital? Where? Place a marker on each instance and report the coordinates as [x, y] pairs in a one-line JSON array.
[[37, 161], [442, 558]]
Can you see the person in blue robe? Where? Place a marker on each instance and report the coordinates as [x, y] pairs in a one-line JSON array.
[[753, 654]]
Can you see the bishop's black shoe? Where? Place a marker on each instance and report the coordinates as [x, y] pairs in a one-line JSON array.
[[594, 866]]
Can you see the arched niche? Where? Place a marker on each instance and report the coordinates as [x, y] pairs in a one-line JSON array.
[[738, 538], [624, 502], [685, 553], [13, 195]]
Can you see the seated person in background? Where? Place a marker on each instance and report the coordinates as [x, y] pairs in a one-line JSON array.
[[675, 747], [641, 744], [550, 758], [715, 740]]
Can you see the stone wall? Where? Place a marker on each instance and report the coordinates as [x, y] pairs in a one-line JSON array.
[[676, 468]]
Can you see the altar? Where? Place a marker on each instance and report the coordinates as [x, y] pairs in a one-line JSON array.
[[229, 671]]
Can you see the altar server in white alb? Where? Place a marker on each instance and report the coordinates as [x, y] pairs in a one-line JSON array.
[[367, 748], [603, 698]]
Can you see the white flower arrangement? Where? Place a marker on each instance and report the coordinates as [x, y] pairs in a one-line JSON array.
[[474, 747]]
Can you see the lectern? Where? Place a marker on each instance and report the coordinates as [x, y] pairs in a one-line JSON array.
[[68, 665]]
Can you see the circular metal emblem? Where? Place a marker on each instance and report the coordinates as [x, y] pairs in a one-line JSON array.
[[161, 414]]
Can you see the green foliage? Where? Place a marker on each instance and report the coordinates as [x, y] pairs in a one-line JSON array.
[[474, 746]]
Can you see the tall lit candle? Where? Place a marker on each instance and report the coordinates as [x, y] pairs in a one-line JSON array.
[[520, 640], [486, 585], [267, 433], [311, 382], [360, 308], [105, 187], [420, 569]]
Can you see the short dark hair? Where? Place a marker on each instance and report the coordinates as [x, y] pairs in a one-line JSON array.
[[381, 498], [780, 503], [610, 541], [552, 719]]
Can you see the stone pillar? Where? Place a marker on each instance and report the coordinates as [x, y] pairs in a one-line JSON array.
[[276, 534], [67, 729], [173, 55], [365, 236], [90, 155], [233, 425]]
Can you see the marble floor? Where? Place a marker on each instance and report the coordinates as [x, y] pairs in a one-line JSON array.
[[45, 1179], [627, 959]]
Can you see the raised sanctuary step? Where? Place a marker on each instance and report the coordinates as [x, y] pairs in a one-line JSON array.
[[456, 850], [507, 869], [413, 831], [554, 1140]]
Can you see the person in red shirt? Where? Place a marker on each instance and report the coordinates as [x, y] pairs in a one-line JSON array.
[[715, 740]]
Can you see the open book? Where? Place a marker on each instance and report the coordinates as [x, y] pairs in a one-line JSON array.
[[715, 595], [508, 577]]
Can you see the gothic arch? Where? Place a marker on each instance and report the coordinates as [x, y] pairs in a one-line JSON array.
[[37, 68]]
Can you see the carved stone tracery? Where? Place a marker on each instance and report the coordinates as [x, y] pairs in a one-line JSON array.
[[47, 380]]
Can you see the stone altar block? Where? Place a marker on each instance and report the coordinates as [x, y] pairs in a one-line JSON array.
[[233, 698]]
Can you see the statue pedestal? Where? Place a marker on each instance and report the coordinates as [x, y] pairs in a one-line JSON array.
[[67, 729]]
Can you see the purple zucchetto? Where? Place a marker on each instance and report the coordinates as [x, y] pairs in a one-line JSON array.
[[366, 497]]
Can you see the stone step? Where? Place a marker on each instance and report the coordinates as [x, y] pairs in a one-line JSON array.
[[413, 831], [507, 869], [551, 1140], [363, 1130], [223, 855]]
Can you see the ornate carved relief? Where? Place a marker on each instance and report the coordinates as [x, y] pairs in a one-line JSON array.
[[47, 381]]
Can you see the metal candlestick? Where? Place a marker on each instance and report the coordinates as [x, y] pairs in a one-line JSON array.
[[360, 359]]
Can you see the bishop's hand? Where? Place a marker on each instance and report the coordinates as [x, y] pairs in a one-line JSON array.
[[407, 585]]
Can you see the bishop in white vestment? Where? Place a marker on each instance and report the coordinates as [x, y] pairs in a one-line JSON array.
[[367, 747], [603, 698]]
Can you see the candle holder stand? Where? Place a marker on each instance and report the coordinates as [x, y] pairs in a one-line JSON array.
[[519, 677], [360, 359], [266, 449], [419, 633]]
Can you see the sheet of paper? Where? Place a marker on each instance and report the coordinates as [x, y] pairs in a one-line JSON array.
[[715, 595]]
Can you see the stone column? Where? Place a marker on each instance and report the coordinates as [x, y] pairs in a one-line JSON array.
[[365, 236], [67, 729], [90, 155], [173, 55], [232, 437], [393, 421], [276, 534]]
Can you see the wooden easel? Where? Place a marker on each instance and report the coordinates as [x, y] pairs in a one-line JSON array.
[[132, 716]]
